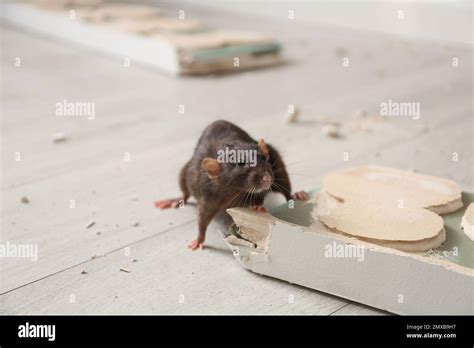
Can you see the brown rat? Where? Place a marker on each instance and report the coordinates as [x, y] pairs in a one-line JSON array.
[[230, 169]]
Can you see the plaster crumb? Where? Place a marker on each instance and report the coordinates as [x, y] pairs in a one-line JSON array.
[[294, 116], [99, 233], [125, 270], [83, 271], [25, 200], [331, 131], [134, 260], [90, 224], [135, 224], [59, 137]]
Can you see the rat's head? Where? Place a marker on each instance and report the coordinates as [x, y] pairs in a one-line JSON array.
[[242, 166]]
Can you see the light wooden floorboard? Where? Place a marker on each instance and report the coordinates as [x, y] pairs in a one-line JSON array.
[[166, 279]]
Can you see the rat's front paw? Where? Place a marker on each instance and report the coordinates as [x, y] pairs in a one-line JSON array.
[[259, 208], [195, 244], [300, 195]]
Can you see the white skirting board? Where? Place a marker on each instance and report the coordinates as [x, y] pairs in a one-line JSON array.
[[151, 51], [385, 278], [141, 49]]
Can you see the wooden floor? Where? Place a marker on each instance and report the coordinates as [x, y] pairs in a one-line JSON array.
[[78, 270]]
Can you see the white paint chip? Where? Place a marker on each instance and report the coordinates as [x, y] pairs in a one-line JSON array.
[[331, 131], [294, 115], [59, 137]]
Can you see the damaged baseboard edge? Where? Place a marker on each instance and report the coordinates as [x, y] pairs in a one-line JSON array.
[[385, 278]]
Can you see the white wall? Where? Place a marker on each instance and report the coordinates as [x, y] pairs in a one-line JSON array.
[[447, 21]]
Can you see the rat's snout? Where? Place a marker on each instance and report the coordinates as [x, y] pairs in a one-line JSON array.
[[266, 181]]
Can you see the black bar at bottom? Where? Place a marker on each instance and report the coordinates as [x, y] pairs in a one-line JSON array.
[[411, 330]]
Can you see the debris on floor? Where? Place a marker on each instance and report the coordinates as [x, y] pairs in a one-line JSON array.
[[59, 137], [83, 271], [90, 224], [294, 113], [331, 131], [135, 224], [125, 270], [25, 200]]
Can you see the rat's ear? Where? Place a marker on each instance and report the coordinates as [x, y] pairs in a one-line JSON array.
[[211, 166], [263, 148]]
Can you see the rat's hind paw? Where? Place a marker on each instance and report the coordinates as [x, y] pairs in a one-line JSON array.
[[195, 244], [170, 203], [300, 195], [259, 208]]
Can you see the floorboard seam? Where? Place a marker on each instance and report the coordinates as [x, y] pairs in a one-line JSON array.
[[337, 310]]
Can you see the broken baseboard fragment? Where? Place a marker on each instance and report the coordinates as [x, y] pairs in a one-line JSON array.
[[143, 34], [253, 227], [467, 223], [296, 246]]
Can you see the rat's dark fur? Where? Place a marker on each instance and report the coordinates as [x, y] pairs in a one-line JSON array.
[[236, 184]]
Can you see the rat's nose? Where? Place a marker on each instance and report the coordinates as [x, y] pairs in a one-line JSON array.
[[266, 180]]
